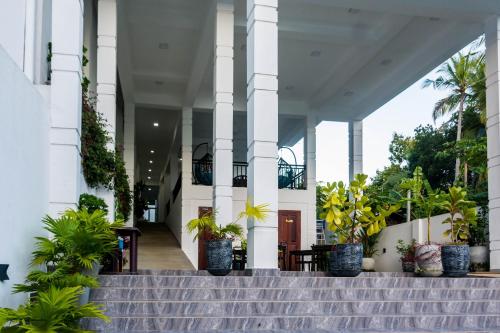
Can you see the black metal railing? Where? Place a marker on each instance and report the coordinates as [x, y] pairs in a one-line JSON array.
[[290, 176]]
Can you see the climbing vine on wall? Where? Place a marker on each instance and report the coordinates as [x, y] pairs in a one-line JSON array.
[[123, 196]]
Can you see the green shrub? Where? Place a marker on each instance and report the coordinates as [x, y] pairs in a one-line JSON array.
[[123, 195], [92, 203]]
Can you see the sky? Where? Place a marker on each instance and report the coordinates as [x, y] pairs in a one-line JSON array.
[[402, 114]]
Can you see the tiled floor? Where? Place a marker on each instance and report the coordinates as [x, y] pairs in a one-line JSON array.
[[158, 249]]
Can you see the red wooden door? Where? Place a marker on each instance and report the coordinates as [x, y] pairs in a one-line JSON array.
[[289, 230], [202, 256]]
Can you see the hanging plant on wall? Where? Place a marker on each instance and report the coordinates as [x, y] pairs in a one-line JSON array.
[[123, 196], [97, 161]]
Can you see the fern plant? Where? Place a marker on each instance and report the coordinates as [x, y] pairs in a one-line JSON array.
[[208, 223], [56, 310]]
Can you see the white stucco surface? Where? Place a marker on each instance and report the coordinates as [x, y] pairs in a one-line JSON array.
[[24, 142]]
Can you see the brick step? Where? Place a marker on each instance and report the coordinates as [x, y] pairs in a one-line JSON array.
[[434, 323], [299, 282], [287, 294], [233, 309]]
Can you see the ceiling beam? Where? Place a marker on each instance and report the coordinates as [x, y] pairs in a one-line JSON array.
[[201, 58], [158, 100], [160, 76]]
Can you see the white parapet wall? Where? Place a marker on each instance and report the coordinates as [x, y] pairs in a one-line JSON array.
[[387, 259], [24, 146]]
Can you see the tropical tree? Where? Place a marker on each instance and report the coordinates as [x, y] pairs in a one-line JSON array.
[[458, 76]]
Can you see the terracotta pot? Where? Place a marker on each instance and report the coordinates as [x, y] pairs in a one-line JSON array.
[[368, 265], [428, 260], [456, 260]]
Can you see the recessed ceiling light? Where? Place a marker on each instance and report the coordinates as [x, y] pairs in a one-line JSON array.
[[152, 151], [149, 177], [385, 62], [163, 46], [315, 53], [353, 11], [348, 93], [155, 124], [149, 188], [150, 161], [159, 83], [150, 170]]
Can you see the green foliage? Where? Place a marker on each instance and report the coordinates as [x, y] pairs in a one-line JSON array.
[[462, 214], [406, 251], [207, 223], [140, 203], [369, 243], [426, 199], [98, 162], [320, 200], [400, 148], [55, 310], [123, 196], [347, 210], [91, 203]]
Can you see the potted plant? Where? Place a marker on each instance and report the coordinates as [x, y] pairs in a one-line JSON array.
[[427, 201], [455, 255], [407, 253], [347, 211], [369, 250], [478, 240], [219, 246]]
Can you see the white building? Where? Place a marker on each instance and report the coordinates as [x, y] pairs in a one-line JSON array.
[[241, 77]]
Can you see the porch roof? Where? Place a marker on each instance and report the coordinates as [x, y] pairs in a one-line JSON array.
[[341, 58]]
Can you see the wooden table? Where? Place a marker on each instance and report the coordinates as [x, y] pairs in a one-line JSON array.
[[134, 234]]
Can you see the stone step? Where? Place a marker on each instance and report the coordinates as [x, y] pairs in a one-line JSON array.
[[299, 282], [298, 308], [287, 294], [433, 323]]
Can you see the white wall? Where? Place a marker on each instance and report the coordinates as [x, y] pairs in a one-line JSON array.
[[12, 27], [24, 149], [416, 229]]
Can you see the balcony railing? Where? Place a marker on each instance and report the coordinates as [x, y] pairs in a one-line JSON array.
[[290, 176]]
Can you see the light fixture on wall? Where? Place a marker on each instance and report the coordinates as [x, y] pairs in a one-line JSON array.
[[288, 220]]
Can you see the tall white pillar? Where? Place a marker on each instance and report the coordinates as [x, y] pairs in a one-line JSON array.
[[106, 78], [262, 108], [66, 105], [310, 159], [493, 133], [223, 111], [355, 148], [129, 151]]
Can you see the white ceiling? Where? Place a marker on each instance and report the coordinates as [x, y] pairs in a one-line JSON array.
[[341, 59]]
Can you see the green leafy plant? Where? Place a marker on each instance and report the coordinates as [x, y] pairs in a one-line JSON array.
[[140, 203], [406, 250], [369, 243], [208, 223], [347, 210], [123, 196], [426, 199], [462, 214], [91, 203], [56, 310]]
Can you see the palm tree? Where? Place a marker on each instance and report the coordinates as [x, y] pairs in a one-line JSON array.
[[458, 76]]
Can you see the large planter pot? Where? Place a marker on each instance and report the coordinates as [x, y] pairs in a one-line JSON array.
[[428, 260], [479, 256], [94, 272], [368, 265], [346, 260], [408, 266], [219, 256], [456, 260]]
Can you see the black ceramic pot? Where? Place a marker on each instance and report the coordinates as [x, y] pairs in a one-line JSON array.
[[346, 260], [219, 257], [456, 260]]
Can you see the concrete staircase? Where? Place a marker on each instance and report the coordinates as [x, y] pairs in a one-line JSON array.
[[189, 301]]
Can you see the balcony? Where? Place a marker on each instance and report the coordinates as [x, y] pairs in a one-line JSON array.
[[290, 176]]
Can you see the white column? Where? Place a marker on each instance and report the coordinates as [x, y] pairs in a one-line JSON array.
[[129, 150], [66, 105], [355, 148], [493, 133], [106, 78], [223, 111], [262, 108], [310, 159]]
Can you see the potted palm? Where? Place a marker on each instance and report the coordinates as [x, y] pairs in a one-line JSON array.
[[369, 250], [219, 246], [346, 211], [427, 201], [456, 255], [407, 253]]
